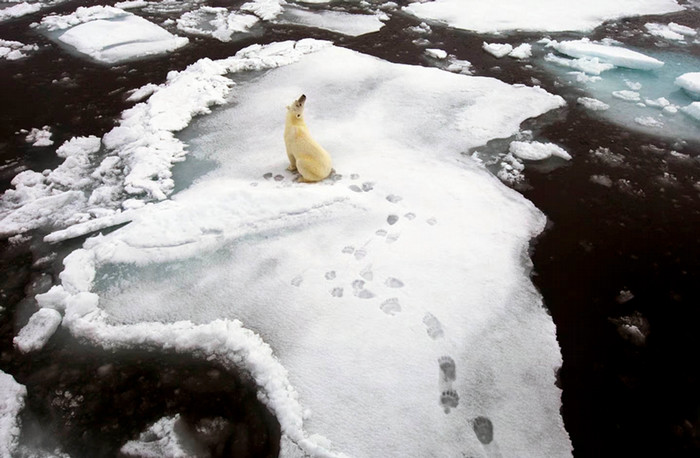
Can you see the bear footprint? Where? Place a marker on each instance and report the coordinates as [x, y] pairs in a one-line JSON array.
[[483, 428], [393, 198], [330, 275], [448, 369], [391, 306], [296, 281], [392, 282], [337, 292], [449, 400], [433, 326]]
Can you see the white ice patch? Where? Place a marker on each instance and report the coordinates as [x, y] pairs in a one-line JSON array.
[[537, 151], [627, 96], [547, 15], [219, 23], [690, 83], [587, 65], [266, 10], [12, 396], [110, 35], [593, 104], [39, 137], [671, 31], [41, 326], [436, 53], [648, 121], [613, 55], [14, 50], [336, 21], [497, 50], [365, 286]]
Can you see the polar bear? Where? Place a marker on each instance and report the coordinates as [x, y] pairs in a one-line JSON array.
[[304, 153]]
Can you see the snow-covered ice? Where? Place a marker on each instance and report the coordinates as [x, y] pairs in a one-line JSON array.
[[547, 15], [436, 53], [690, 82], [537, 151], [12, 396], [692, 110], [355, 301], [165, 438], [110, 35], [41, 326], [335, 21], [522, 51]]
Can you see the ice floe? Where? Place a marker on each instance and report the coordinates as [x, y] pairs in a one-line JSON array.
[[613, 55], [692, 110], [19, 10], [497, 49], [39, 137], [345, 298], [670, 31], [335, 21], [110, 35], [690, 83], [593, 104], [14, 50], [537, 151], [12, 396], [166, 437], [216, 22], [547, 15], [41, 326]]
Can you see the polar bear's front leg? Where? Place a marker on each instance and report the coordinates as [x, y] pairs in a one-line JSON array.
[[292, 163]]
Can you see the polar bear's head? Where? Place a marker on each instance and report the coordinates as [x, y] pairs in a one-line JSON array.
[[296, 109]]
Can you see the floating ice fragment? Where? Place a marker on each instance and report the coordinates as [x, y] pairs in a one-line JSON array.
[[110, 35], [335, 21], [436, 53], [13, 50], [522, 51], [672, 31], [593, 104], [648, 121], [615, 55], [627, 96], [497, 50], [19, 10], [589, 65], [12, 396], [690, 82], [41, 326], [266, 10], [216, 22], [692, 110], [537, 151], [548, 15], [40, 137], [167, 437]]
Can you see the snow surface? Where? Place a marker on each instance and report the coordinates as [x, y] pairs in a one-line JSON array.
[[537, 151], [362, 299], [335, 21], [12, 396], [110, 35], [547, 15], [690, 82], [613, 55], [41, 326]]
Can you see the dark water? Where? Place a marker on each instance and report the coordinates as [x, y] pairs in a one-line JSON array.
[[619, 399]]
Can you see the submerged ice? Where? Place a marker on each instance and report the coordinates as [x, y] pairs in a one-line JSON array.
[[371, 288]]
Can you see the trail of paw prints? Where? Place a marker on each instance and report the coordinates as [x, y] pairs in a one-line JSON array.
[[449, 399]]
